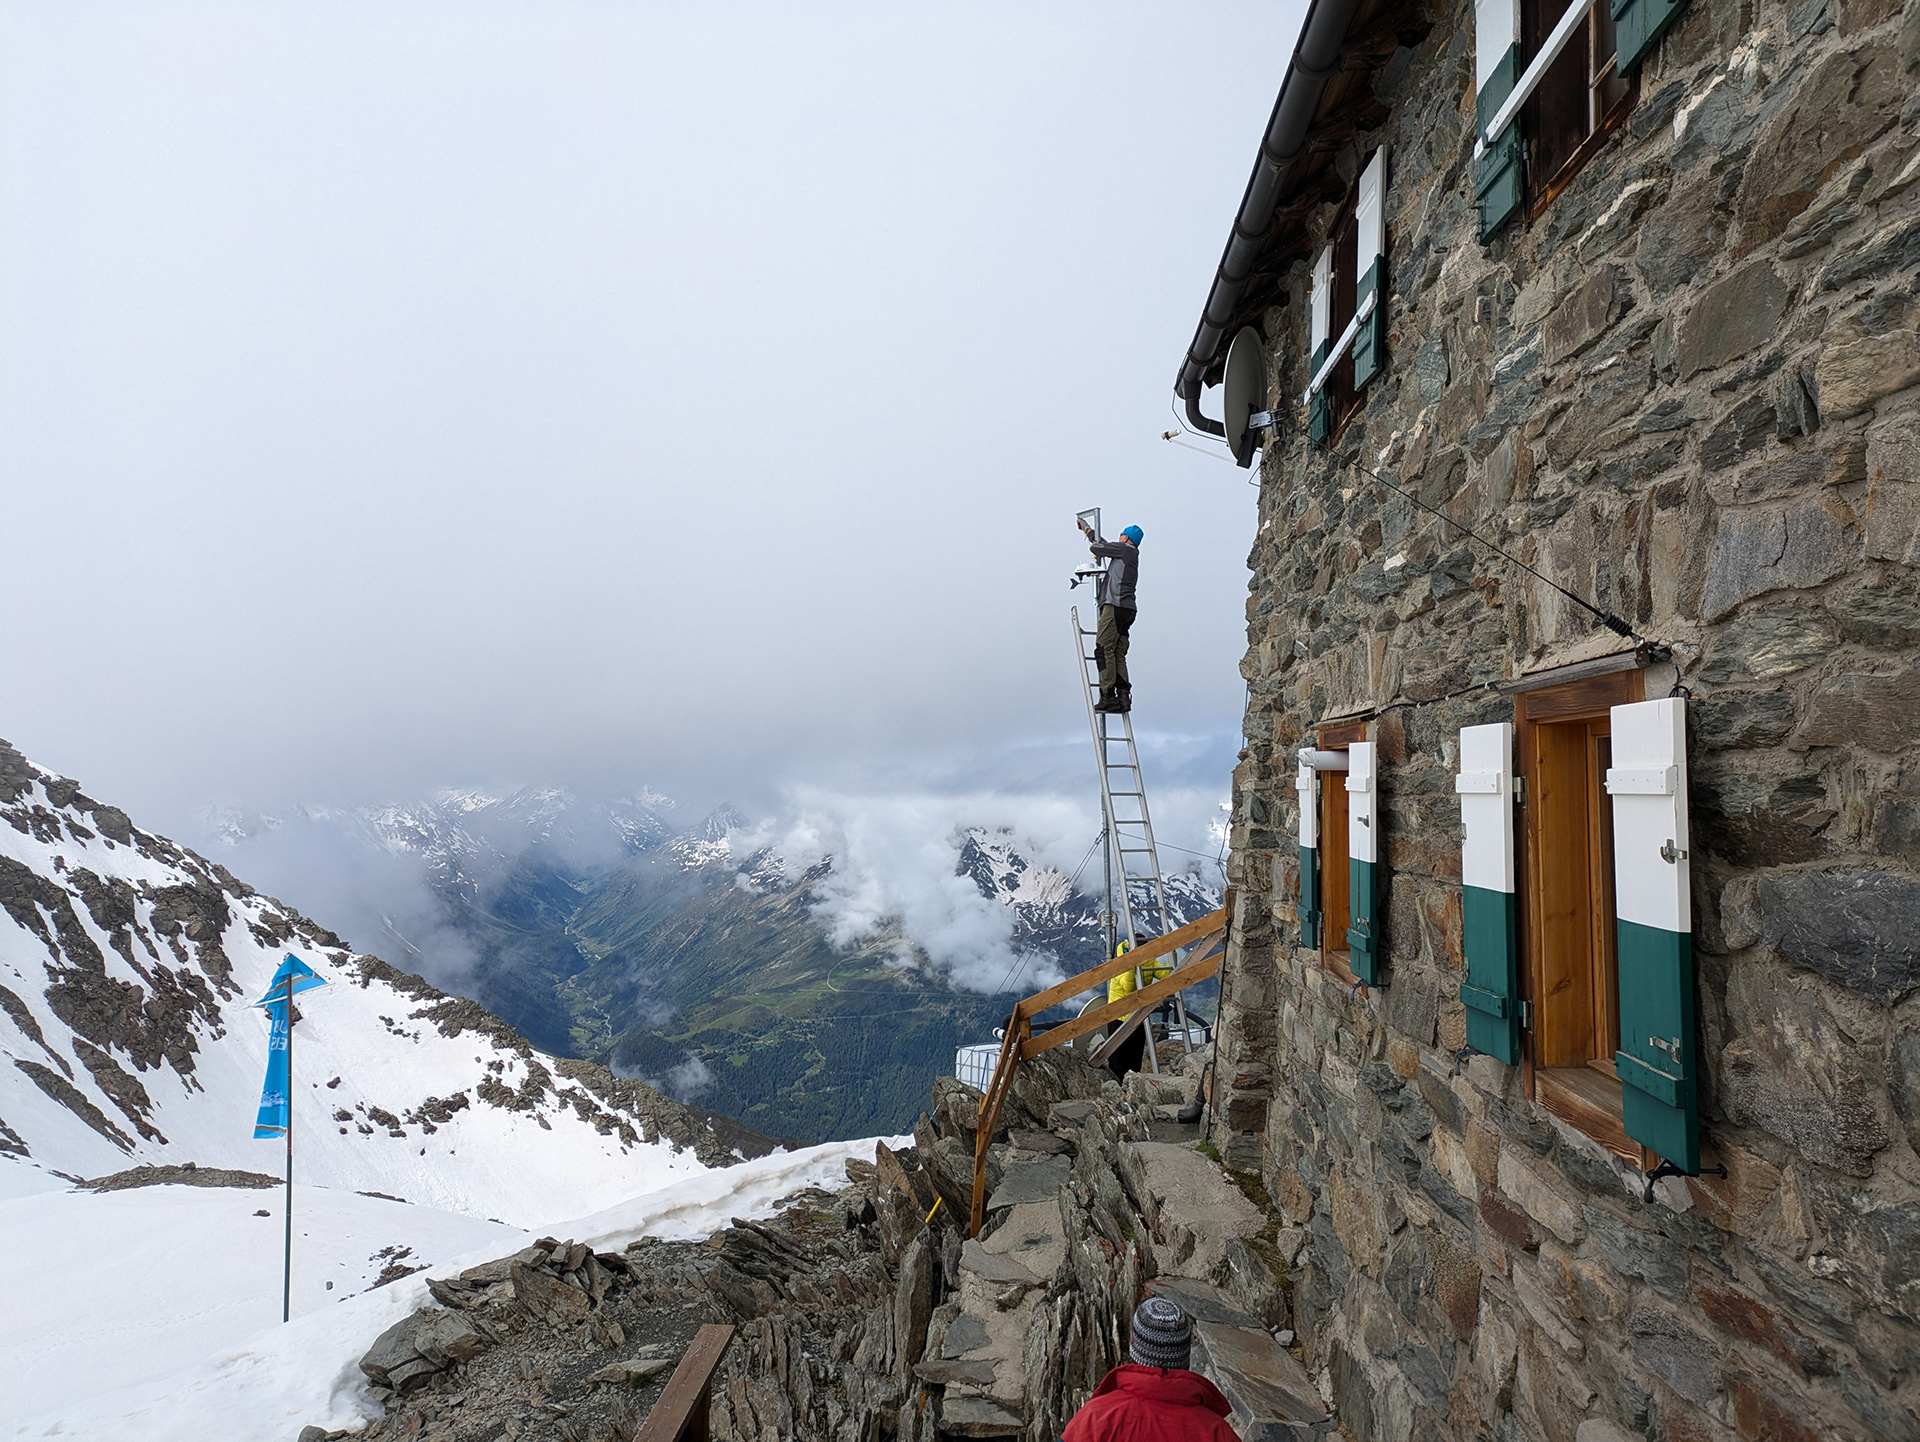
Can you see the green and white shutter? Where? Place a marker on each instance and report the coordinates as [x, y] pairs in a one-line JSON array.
[[1307, 783], [1370, 296], [1363, 936], [1657, 1061], [1638, 26], [1320, 339], [1491, 991], [1496, 70]]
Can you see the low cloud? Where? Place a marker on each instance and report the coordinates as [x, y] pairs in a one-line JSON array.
[[895, 869]]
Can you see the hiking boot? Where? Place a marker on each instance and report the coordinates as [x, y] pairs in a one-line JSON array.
[[1109, 705]]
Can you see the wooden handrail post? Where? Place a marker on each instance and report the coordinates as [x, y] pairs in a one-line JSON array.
[[682, 1413]]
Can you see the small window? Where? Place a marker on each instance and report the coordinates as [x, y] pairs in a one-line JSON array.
[[1344, 237], [1563, 747], [1580, 101], [1336, 869]]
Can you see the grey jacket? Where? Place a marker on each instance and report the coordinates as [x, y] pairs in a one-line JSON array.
[[1123, 570]]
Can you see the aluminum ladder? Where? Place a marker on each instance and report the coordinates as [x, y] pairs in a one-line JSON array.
[[1123, 806]]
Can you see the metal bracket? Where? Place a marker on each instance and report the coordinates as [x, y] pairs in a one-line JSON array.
[[1671, 1048], [1520, 790], [1460, 1057], [1670, 853], [1358, 987], [1668, 1169]]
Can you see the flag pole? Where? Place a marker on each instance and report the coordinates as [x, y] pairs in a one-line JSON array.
[[286, 1274]]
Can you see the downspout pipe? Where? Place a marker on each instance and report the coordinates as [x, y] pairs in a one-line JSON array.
[[1315, 56]]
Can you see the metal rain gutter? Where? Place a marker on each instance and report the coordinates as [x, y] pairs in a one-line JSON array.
[[1314, 58]]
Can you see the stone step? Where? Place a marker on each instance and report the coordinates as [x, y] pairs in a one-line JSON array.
[[1273, 1399]]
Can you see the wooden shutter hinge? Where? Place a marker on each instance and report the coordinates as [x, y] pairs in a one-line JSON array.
[[1526, 1015]]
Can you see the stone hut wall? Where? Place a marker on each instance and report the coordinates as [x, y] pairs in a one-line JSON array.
[[1687, 391]]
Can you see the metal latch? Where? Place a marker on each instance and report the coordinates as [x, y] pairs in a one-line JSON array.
[[1671, 1048], [1670, 853]]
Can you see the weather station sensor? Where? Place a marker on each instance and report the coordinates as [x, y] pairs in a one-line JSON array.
[[1089, 524], [1245, 387]]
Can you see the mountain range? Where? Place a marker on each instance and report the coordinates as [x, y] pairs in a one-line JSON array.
[[129, 968], [692, 954]]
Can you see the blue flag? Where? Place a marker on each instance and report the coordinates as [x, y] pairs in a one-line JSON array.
[[276, 1094]]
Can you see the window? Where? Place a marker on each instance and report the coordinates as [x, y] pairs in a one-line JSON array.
[[1336, 877], [1552, 81], [1347, 305], [1563, 745], [1577, 912], [1580, 100]]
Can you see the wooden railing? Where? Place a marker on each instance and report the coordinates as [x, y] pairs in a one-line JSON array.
[[681, 1414], [1207, 937]]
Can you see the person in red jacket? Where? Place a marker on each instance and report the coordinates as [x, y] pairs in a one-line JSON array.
[[1154, 1398]]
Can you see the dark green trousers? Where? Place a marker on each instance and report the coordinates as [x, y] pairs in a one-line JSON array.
[[1110, 649]]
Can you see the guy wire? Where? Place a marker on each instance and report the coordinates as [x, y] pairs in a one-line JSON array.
[[1606, 618]]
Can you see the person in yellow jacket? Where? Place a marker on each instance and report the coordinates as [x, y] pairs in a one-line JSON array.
[[1127, 1058]]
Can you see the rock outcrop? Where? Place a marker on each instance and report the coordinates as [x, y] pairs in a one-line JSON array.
[[867, 1313]]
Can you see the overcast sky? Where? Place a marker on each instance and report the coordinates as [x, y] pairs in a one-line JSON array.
[[402, 394]]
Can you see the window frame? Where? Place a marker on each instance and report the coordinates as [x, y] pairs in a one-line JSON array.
[[1540, 190], [1586, 1096], [1332, 802]]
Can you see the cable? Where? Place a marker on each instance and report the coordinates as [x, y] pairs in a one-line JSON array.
[[1606, 618]]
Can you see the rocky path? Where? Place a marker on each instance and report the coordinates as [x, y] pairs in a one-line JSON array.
[[866, 1314]]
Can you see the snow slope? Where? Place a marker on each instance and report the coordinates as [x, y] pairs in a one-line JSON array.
[[145, 1282], [128, 966], [264, 1383]]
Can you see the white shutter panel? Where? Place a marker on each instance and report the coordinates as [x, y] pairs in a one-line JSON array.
[[1363, 936], [1491, 991], [1305, 782], [1320, 308], [1653, 906], [1370, 294]]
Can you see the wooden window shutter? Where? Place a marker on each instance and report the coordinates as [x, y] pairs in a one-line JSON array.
[[1370, 228], [1491, 991], [1306, 782], [1637, 28], [1363, 935], [1496, 70], [1653, 906], [1320, 321]]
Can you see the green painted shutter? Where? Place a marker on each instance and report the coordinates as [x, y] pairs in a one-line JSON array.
[[1363, 936], [1491, 991], [1638, 26], [1306, 783], [1370, 229], [1496, 67], [1658, 1058]]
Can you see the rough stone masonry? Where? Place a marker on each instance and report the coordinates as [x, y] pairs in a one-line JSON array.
[[1687, 389]]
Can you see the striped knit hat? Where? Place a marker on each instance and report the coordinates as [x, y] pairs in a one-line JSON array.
[[1162, 1335]]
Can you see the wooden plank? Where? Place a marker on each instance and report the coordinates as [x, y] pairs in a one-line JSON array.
[[681, 1413], [990, 1118], [1146, 951], [1143, 1000]]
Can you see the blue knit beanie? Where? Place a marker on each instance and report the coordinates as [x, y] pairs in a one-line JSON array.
[[1133, 533]]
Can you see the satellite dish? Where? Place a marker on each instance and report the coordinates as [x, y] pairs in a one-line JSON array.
[[1245, 386]]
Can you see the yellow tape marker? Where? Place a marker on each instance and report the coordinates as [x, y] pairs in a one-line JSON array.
[[936, 1207]]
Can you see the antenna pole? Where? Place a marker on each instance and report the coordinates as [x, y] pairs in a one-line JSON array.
[[286, 1273]]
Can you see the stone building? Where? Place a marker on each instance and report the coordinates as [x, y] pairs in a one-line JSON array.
[[1571, 1008]]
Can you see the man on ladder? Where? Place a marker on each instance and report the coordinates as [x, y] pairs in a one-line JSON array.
[[1117, 608]]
